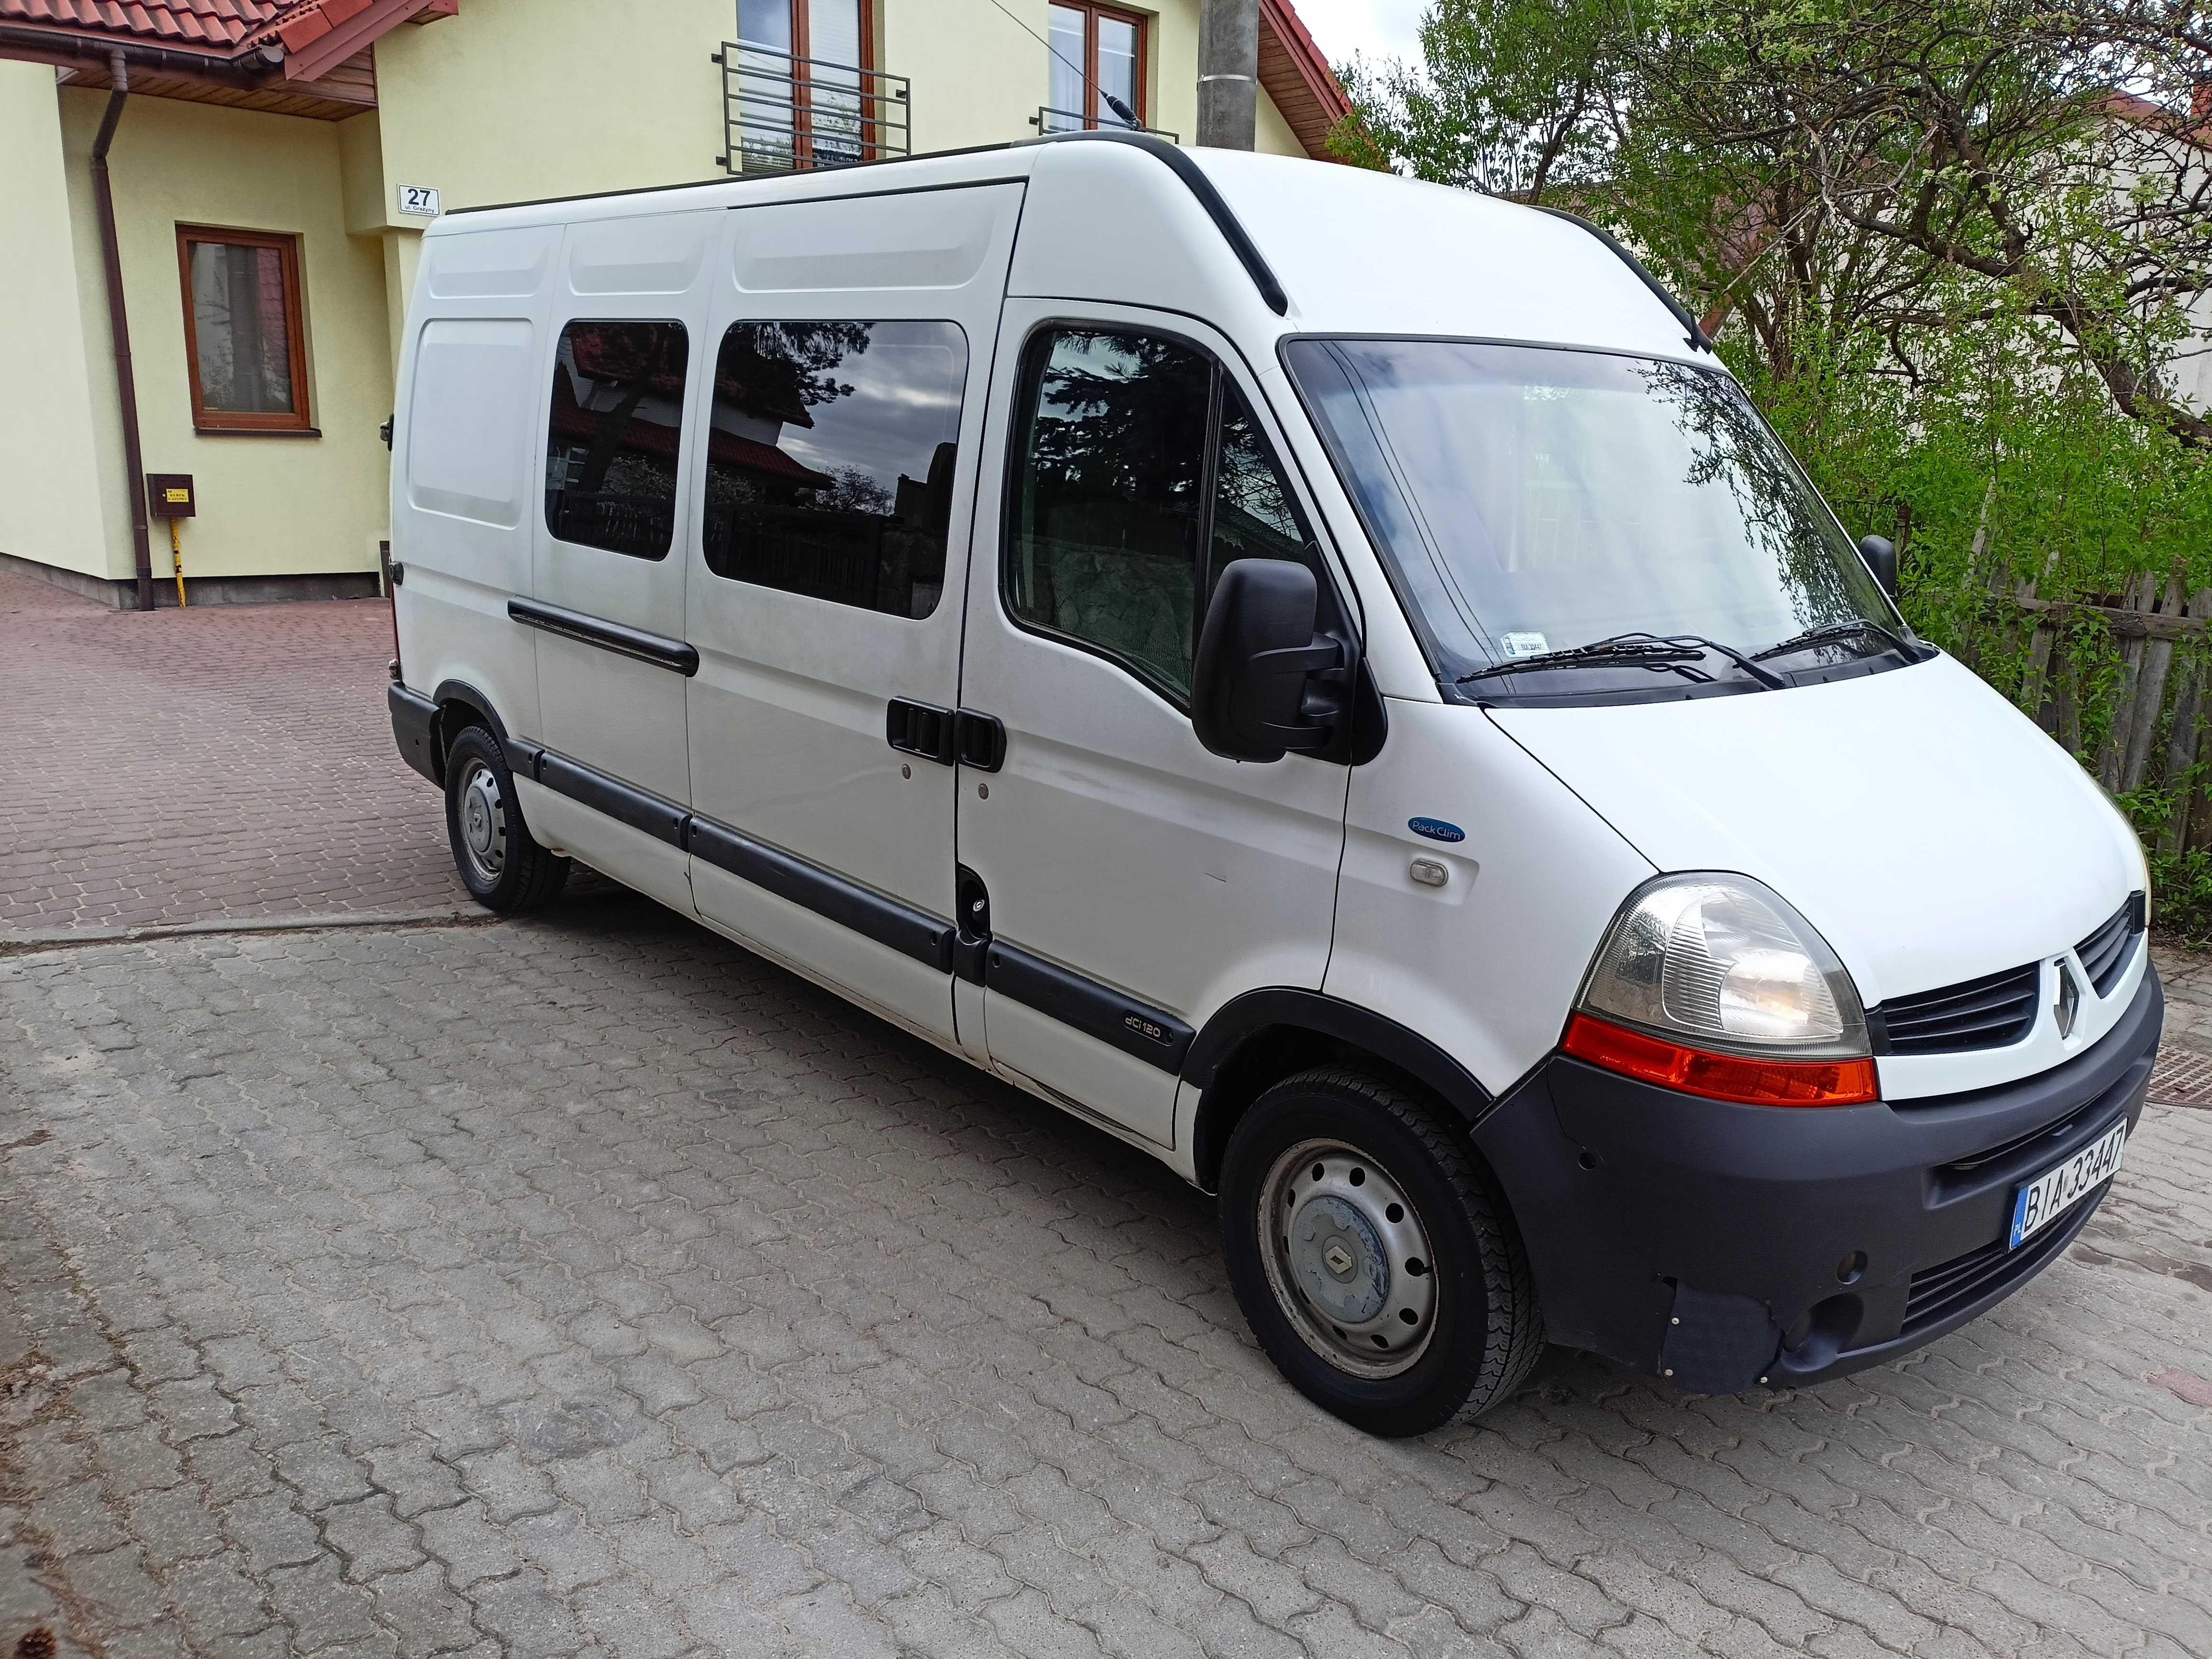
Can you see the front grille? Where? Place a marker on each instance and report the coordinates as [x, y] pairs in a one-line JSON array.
[[1938, 1292], [2105, 953], [1982, 1014], [1964, 1169]]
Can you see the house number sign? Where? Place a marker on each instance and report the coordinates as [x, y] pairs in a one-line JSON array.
[[420, 200]]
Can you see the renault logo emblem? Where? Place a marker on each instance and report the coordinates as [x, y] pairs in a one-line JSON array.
[[2069, 999]]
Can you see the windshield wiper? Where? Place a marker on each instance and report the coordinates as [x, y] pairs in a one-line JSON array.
[[1674, 651], [1828, 633]]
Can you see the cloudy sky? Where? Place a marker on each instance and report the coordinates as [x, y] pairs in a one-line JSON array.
[[1374, 28]]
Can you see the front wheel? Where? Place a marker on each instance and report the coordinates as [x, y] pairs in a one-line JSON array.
[[1374, 1256], [502, 863]]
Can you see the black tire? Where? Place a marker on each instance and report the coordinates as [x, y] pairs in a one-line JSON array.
[[1469, 1337], [503, 866]]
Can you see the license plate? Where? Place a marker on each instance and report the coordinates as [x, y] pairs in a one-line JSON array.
[[2059, 1188]]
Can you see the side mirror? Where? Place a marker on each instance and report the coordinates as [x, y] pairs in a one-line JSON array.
[[1256, 653], [1881, 556]]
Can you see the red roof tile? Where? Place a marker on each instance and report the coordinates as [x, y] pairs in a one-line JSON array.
[[217, 26]]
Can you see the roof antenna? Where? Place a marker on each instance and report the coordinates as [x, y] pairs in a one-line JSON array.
[[1129, 116]]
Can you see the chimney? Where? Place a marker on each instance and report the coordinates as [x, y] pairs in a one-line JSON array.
[[2200, 101]]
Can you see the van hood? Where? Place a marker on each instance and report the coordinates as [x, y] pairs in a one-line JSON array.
[[1925, 826]]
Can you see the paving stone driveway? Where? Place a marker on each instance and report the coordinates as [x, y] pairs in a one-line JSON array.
[[221, 762], [586, 1284]]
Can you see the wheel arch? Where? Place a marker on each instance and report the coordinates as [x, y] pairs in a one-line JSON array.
[[461, 705], [1254, 1041]]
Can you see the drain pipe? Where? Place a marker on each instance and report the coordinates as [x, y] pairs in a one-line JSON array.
[[119, 323]]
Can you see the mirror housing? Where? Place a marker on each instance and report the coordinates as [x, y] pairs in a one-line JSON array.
[[1881, 556], [1256, 654]]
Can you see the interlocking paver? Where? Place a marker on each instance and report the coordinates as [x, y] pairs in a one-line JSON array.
[[645, 1299], [220, 762]]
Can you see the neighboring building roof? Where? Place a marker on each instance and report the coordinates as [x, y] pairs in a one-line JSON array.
[[293, 56], [1298, 78], [212, 25]]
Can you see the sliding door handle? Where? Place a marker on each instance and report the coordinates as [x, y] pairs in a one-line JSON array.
[[916, 728]]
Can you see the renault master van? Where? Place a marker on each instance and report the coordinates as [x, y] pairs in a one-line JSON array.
[[1323, 677]]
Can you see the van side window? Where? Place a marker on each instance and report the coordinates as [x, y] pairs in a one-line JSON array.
[[611, 437], [1109, 496], [1142, 473], [829, 459]]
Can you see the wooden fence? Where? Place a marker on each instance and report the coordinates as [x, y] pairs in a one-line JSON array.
[[2160, 704]]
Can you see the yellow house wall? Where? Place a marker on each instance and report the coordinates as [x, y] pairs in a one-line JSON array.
[[515, 100], [267, 504], [53, 507]]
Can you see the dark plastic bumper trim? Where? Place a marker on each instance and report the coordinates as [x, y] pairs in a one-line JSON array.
[[415, 728]]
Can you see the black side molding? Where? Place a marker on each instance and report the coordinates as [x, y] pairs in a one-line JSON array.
[[414, 729], [663, 820], [655, 648], [910, 932], [1136, 1027], [1194, 180], [1697, 334]]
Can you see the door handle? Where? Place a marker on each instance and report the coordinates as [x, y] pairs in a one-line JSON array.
[[916, 728], [982, 741]]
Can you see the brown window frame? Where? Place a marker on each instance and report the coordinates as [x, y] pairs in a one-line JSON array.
[[802, 104], [1092, 12], [286, 247]]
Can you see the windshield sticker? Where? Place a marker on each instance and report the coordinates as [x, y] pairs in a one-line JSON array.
[[1516, 646]]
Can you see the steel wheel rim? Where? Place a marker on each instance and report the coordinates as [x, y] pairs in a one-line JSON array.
[[483, 822], [1347, 1273]]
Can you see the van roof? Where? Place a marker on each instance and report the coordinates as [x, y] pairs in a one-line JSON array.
[[1331, 249]]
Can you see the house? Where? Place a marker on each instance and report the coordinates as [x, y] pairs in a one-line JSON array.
[[243, 184]]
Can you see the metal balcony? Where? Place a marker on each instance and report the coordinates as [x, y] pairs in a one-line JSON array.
[[1068, 120], [782, 113]]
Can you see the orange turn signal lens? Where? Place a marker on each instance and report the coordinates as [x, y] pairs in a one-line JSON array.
[[1740, 1077]]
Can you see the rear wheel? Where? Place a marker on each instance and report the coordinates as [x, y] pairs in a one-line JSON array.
[[502, 864], [1374, 1256]]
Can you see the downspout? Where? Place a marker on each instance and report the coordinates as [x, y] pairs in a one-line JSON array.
[[119, 322]]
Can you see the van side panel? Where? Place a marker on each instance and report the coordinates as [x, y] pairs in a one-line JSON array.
[[464, 448], [1486, 965]]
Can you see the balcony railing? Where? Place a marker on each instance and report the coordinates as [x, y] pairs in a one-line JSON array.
[[1068, 120], [782, 113]]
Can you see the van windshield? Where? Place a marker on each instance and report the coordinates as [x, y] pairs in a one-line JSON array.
[[1530, 500]]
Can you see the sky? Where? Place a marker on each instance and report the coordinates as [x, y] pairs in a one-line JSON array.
[[1374, 28]]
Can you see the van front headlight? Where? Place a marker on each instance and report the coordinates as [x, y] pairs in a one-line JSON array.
[[1712, 984]]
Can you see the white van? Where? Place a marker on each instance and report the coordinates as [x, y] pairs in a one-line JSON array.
[[1324, 677]]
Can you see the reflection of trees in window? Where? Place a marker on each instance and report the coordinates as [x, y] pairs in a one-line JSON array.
[[1253, 516], [1730, 447], [829, 465], [1113, 498], [1106, 541], [611, 440]]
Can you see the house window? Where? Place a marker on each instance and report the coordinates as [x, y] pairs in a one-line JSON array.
[[244, 341], [1097, 63], [803, 83]]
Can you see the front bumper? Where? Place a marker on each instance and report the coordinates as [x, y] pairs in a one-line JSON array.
[[1725, 1245]]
